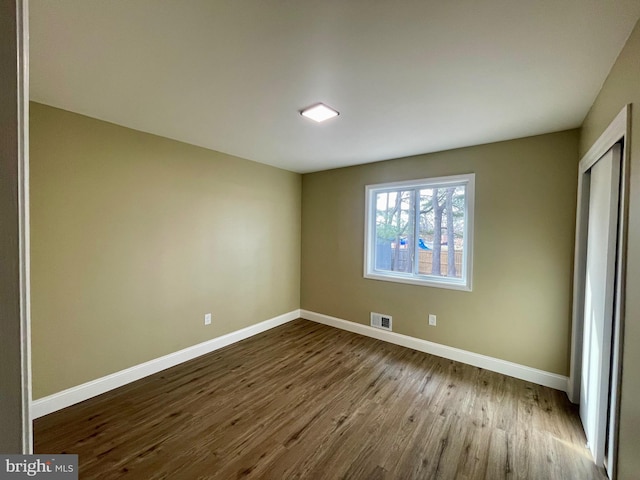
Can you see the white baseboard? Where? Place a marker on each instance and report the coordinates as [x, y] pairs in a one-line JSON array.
[[77, 394], [553, 380], [57, 401]]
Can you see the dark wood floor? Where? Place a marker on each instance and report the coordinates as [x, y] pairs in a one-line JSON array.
[[308, 401]]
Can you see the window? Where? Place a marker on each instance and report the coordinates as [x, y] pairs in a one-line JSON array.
[[421, 231]]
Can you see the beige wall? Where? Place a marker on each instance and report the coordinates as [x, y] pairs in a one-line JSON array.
[[135, 237], [622, 87], [519, 309]]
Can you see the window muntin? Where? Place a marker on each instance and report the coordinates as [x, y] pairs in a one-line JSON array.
[[421, 231]]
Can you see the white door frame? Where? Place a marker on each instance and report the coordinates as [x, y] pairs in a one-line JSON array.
[[619, 129], [22, 9], [15, 341]]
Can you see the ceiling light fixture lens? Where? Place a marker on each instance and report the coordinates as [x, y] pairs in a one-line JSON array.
[[319, 112]]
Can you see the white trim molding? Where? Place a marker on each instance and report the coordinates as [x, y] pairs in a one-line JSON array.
[[617, 129], [22, 24], [541, 377], [79, 393]]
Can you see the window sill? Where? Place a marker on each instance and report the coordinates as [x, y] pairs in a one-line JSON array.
[[410, 280]]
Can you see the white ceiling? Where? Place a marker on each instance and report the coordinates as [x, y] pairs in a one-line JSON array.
[[408, 76]]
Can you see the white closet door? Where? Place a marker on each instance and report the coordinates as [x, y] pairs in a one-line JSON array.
[[599, 299]]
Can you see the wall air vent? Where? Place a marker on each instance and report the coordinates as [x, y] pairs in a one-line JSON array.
[[379, 320]]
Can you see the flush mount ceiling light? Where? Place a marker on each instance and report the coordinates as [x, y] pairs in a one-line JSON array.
[[319, 112]]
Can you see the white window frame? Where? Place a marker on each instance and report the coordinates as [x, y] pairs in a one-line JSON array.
[[465, 283]]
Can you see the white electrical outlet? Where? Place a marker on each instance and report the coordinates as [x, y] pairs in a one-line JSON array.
[[207, 319], [432, 320]]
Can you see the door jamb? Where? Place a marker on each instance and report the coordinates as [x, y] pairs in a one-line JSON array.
[[22, 11]]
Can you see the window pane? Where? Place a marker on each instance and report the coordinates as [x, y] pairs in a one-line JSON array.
[[394, 234], [441, 231], [420, 232]]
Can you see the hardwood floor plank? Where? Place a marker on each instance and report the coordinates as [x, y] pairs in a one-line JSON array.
[[308, 401]]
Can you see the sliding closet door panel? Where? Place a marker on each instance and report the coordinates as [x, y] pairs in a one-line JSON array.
[[599, 299]]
